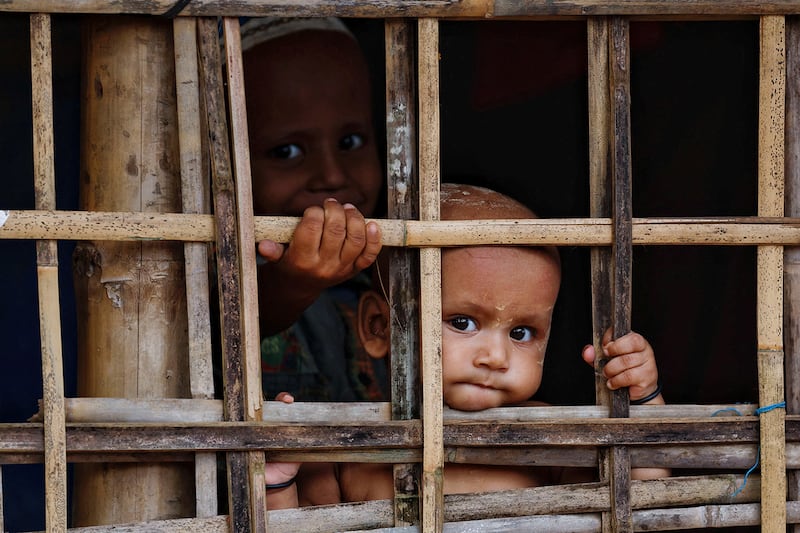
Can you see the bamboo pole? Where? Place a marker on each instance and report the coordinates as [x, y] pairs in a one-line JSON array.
[[131, 226], [467, 9], [132, 308], [251, 345], [772, 76], [195, 199], [403, 192], [55, 456], [791, 254], [431, 280], [615, 461]]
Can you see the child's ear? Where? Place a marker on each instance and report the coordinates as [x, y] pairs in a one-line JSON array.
[[373, 324]]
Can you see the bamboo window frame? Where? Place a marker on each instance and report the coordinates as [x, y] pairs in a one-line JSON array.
[[399, 433]]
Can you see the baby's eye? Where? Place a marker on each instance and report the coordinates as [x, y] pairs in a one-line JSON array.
[[286, 151], [463, 323], [522, 333], [353, 141]]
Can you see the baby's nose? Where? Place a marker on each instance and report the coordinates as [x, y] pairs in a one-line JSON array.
[[493, 354]]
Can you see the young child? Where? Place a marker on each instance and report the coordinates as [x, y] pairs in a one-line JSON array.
[[313, 155], [497, 304]]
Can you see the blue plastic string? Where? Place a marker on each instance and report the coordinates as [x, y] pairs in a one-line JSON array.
[[758, 411]]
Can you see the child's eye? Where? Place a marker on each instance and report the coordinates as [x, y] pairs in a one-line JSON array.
[[286, 151], [463, 323], [353, 141], [522, 333]]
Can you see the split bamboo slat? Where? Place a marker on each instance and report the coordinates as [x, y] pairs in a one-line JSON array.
[[791, 254], [453, 9], [246, 502], [403, 282], [195, 199], [55, 455], [432, 498], [248, 288], [772, 90]]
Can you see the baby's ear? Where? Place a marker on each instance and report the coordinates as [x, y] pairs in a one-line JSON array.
[[373, 324]]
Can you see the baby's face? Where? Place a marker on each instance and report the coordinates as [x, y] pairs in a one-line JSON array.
[[497, 304], [310, 124]]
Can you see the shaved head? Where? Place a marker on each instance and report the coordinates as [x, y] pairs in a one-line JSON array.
[[470, 202]]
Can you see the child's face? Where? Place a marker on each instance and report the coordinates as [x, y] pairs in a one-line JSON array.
[[497, 304], [310, 124]]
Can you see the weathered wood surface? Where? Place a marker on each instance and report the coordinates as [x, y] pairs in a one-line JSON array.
[[791, 254], [431, 511], [403, 282], [109, 437], [188, 410], [55, 461], [369, 515], [195, 198], [124, 225], [771, 161], [132, 320], [415, 8]]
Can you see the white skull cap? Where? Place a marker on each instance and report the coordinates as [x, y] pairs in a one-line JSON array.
[[258, 30]]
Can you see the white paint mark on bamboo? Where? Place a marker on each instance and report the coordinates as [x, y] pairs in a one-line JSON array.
[[3, 217], [114, 293]]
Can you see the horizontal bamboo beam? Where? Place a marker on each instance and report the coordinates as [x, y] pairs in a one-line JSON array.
[[472, 9], [130, 226], [142, 437], [200, 410], [377, 513]]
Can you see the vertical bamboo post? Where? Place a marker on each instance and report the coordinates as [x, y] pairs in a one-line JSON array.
[[195, 199], [772, 90], [601, 144], [791, 254], [251, 367], [431, 282], [403, 191], [55, 447], [131, 296], [616, 466], [244, 516]]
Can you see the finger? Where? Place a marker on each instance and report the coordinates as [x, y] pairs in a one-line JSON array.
[[303, 249], [334, 233], [373, 247], [284, 397], [356, 236], [628, 343], [588, 354]]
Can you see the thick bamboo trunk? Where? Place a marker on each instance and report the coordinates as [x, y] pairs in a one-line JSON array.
[[131, 300]]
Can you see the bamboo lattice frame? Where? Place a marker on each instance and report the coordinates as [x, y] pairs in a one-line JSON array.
[[86, 430]]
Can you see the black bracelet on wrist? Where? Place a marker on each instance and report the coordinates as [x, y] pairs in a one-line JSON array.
[[650, 396], [282, 485]]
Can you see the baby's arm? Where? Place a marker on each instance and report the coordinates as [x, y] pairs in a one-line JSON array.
[[331, 244], [631, 363]]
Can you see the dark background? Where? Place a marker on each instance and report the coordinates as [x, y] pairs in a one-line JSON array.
[[514, 118]]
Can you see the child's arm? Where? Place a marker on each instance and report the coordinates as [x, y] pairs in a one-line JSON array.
[[631, 363], [331, 244], [281, 489]]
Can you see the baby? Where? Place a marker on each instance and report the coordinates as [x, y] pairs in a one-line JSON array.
[[497, 305]]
